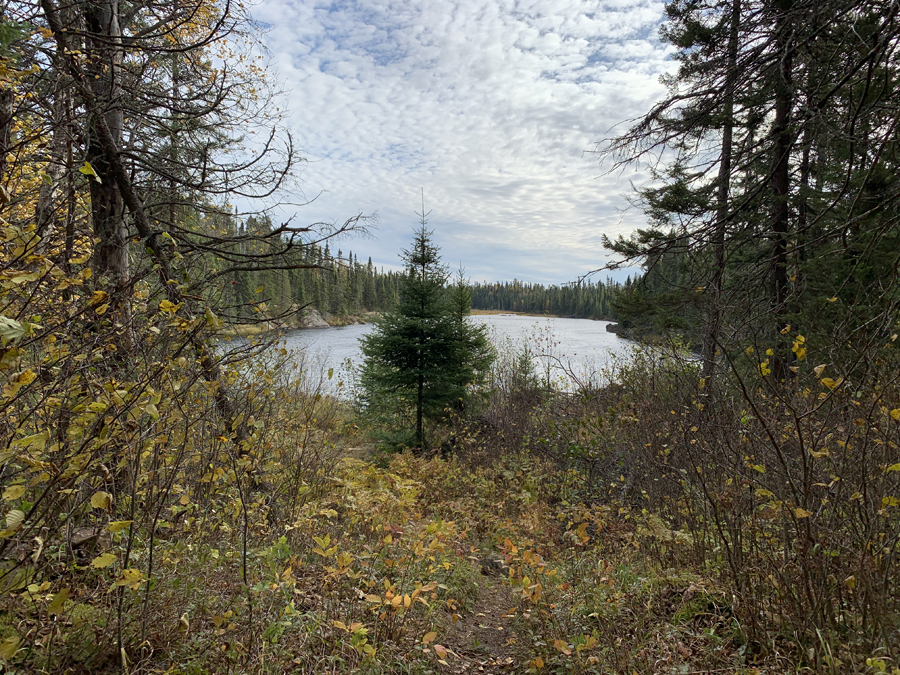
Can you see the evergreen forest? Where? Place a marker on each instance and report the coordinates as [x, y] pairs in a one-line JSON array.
[[586, 300], [332, 283]]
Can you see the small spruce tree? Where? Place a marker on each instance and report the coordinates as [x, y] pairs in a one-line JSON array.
[[422, 357]]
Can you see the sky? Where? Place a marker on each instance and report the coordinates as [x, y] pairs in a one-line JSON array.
[[494, 108]]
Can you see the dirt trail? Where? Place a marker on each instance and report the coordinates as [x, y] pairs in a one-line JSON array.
[[482, 638]]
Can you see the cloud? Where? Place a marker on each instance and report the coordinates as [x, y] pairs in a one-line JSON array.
[[488, 106]]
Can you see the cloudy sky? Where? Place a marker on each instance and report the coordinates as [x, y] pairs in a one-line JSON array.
[[492, 106]]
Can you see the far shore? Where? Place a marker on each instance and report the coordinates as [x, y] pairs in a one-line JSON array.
[[332, 321], [494, 312]]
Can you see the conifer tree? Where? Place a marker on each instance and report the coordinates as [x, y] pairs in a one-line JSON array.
[[422, 356]]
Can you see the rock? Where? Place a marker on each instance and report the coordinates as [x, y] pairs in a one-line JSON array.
[[311, 318]]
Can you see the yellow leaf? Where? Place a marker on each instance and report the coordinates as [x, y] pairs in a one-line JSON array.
[[167, 306], [895, 414], [373, 598], [538, 663], [98, 298], [37, 440], [88, 170], [818, 370], [103, 560], [131, 578], [802, 513], [26, 377], [892, 467], [440, 650], [185, 500], [13, 492], [429, 637], [9, 648], [101, 500], [118, 525], [339, 624], [56, 605], [562, 646], [885, 502], [832, 384]]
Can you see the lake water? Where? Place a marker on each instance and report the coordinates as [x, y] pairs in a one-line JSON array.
[[562, 349]]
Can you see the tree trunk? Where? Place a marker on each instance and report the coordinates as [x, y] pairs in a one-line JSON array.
[[714, 311], [420, 401], [107, 206], [7, 116], [781, 175], [58, 165]]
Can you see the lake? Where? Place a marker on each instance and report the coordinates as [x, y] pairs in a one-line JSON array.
[[562, 349]]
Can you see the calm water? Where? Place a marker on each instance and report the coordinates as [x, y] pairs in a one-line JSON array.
[[561, 348]]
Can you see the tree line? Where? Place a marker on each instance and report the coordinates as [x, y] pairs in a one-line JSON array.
[[331, 282], [588, 299]]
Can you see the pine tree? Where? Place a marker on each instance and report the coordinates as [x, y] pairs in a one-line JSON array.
[[423, 355]]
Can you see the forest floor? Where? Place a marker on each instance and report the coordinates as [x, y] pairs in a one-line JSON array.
[[407, 565]]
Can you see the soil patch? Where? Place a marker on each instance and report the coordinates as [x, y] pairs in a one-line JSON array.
[[482, 638]]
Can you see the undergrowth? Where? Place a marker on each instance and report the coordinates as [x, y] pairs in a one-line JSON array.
[[538, 544]]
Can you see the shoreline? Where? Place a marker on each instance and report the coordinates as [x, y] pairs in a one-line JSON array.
[[315, 320], [497, 312], [308, 321]]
